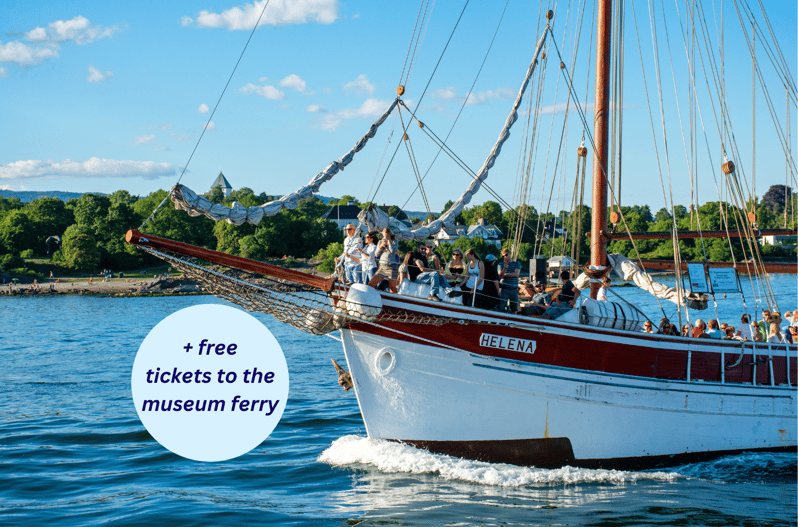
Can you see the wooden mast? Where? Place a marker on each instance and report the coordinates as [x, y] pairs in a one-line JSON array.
[[598, 240]]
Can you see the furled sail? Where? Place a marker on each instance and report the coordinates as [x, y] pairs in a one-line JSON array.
[[375, 219], [186, 199], [629, 271]]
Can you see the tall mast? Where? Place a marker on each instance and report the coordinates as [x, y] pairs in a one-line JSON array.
[[598, 240]]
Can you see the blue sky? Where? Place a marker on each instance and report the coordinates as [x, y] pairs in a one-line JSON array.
[[99, 96]]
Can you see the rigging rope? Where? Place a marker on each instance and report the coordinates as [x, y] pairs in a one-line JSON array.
[[210, 118]]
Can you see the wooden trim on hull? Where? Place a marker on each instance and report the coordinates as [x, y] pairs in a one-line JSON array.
[[555, 452]]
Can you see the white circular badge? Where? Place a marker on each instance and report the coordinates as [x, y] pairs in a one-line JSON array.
[[210, 382]]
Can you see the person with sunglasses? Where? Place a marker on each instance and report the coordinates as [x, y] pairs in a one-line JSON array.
[[455, 268], [351, 261]]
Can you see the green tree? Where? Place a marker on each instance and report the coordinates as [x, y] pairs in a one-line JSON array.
[[18, 233], [327, 256], [174, 224], [79, 248], [50, 217], [122, 196]]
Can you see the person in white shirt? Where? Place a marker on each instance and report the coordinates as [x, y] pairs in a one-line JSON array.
[[746, 331], [368, 262], [350, 256], [775, 336]]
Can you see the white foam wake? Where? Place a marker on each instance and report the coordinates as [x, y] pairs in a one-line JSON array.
[[391, 457]]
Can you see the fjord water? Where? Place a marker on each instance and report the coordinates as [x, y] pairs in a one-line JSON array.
[[73, 451]]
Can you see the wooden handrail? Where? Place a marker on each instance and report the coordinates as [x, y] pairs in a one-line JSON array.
[[134, 237]]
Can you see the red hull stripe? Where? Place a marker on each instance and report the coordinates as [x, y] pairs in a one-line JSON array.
[[605, 351]]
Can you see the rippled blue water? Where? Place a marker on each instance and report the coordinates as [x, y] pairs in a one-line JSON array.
[[73, 451]]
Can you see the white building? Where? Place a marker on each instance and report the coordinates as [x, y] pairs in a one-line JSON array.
[[489, 233]]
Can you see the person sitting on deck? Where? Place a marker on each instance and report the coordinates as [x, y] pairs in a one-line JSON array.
[[745, 331], [455, 268], [569, 293], [420, 266], [686, 330], [774, 335], [664, 326], [541, 301], [764, 324], [699, 329], [792, 335], [714, 331], [647, 327]]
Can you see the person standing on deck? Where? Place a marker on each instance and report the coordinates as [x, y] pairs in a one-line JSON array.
[[509, 270], [351, 261]]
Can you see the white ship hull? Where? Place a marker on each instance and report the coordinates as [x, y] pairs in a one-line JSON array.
[[466, 403]]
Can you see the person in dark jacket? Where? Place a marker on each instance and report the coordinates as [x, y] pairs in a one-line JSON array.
[[491, 292]]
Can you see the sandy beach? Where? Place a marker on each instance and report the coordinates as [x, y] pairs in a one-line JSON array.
[[101, 287]]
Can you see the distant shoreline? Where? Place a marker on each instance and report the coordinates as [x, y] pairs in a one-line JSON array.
[[115, 287]]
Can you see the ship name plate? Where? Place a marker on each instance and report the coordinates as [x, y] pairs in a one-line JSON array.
[[502, 342]]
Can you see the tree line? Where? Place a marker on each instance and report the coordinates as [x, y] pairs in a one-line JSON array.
[[92, 229]]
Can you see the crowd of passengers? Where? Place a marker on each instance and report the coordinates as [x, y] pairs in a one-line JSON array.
[[493, 284], [490, 284], [769, 329]]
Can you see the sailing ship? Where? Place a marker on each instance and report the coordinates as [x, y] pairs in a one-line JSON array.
[[586, 389]]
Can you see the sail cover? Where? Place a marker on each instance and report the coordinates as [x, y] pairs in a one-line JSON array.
[[186, 199], [629, 271]]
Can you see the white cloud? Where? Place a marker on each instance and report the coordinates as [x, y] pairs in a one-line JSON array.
[[96, 75], [447, 94], [161, 149], [278, 13], [36, 34], [360, 85], [314, 108], [48, 41], [179, 137], [3, 73], [144, 140], [268, 91], [77, 30], [490, 95], [164, 127], [91, 168], [293, 81], [211, 126], [203, 108], [25, 55], [371, 108]]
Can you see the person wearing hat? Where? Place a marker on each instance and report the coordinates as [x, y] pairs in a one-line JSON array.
[[508, 270]]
